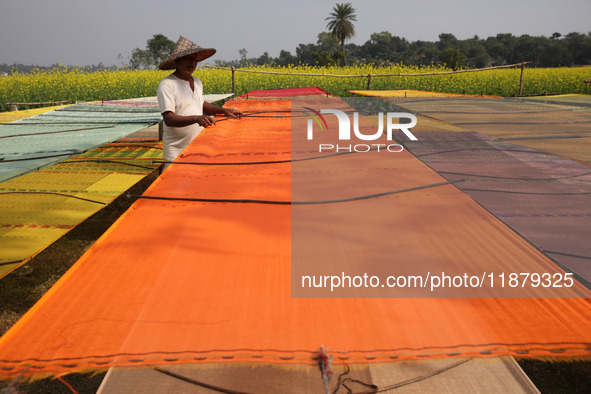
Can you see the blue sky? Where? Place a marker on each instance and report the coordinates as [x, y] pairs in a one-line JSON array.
[[86, 32]]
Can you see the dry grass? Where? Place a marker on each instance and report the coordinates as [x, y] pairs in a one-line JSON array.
[[7, 319], [22, 288], [568, 377]]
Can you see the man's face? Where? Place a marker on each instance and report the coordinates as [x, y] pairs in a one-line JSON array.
[[187, 64]]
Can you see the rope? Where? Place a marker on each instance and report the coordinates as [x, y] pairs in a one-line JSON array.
[[423, 377], [54, 132], [341, 381], [11, 262], [532, 193], [494, 149], [251, 114], [117, 145], [273, 202], [150, 122], [198, 383], [156, 110], [376, 389], [257, 162], [107, 161], [556, 137], [523, 123], [257, 113], [376, 75], [198, 163], [2, 160], [515, 178], [567, 254], [545, 111], [57, 194]]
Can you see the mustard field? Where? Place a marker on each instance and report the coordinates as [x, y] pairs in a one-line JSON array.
[[76, 85]]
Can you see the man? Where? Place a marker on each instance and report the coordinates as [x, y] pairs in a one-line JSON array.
[[180, 96]]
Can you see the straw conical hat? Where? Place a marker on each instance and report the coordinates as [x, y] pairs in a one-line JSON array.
[[185, 47]]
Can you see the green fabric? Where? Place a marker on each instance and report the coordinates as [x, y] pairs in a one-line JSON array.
[[36, 142]]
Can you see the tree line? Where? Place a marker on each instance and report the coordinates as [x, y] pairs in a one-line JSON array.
[[573, 49], [9, 69]]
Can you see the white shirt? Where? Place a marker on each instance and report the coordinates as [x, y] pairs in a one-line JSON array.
[[176, 95]]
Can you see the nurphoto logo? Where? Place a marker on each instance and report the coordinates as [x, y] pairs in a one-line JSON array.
[[392, 123]]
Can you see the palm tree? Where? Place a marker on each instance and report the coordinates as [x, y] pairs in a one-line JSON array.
[[341, 25]]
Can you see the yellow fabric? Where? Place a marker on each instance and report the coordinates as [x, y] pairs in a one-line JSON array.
[[11, 116], [36, 209]]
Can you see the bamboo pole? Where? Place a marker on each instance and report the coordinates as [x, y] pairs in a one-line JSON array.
[[521, 79], [233, 81]]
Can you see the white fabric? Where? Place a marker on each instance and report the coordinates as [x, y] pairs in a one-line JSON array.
[[212, 98], [175, 94]]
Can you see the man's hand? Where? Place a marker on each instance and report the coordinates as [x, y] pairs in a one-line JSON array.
[[204, 120], [230, 112]]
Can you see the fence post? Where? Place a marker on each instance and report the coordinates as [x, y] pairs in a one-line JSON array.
[[368, 81], [233, 82], [521, 79]]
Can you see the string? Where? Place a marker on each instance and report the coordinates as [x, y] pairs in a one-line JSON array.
[[275, 202]]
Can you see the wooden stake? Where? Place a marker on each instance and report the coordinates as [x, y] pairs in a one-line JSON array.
[[233, 81], [521, 79]]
